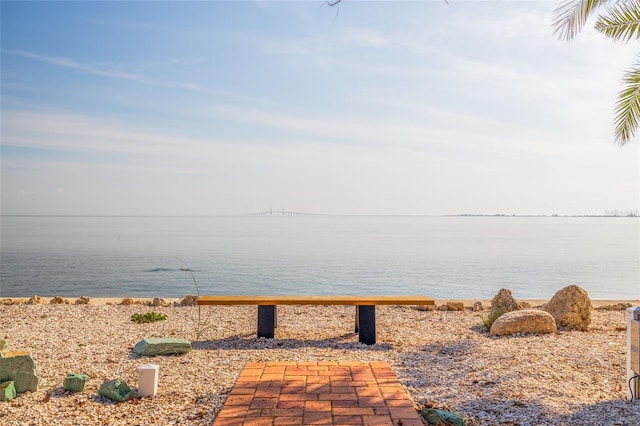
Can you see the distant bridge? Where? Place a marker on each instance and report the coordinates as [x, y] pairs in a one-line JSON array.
[[282, 212]]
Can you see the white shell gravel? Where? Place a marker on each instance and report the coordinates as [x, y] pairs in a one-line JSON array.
[[445, 359]]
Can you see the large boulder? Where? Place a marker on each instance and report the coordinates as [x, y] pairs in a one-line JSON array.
[[504, 302], [529, 321], [571, 307], [162, 346]]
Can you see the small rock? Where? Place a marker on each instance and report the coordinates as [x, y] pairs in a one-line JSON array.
[[84, 300], [116, 390], [35, 300], [478, 307], [190, 300], [7, 391], [443, 307], [159, 302], [128, 301], [74, 382], [8, 302], [59, 301], [571, 307], [441, 417], [162, 346], [455, 306], [528, 321], [615, 307], [426, 307]]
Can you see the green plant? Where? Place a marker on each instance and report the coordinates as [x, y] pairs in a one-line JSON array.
[[493, 315], [201, 324], [151, 316]]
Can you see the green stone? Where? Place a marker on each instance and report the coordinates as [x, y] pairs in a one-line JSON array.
[[7, 391], [26, 381], [74, 382], [162, 346], [116, 390], [441, 417], [19, 367]]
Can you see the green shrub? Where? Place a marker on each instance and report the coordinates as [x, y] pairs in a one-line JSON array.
[[493, 316], [151, 316]]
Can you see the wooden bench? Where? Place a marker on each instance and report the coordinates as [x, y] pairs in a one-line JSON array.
[[365, 324]]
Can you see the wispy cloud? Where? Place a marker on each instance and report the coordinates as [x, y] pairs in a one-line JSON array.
[[104, 71], [85, 68]]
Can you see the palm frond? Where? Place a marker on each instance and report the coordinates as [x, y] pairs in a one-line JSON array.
[[569, 16], [621, 22], [628, 106]]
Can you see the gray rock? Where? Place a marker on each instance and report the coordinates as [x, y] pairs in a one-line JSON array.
[[528, 321], [162, 346], [116, 390], [441, 417], [7, 391], [74, 382], [571, 307]]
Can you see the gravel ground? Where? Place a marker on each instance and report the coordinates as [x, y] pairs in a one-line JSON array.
[[444, 359]]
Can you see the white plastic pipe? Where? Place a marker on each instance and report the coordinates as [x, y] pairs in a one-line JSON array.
[[148, 376]]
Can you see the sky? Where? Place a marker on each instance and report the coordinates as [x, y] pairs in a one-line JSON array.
[[382, 107]]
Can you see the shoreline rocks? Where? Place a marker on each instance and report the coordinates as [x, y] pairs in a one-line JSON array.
[[526, 321], [571, 308]]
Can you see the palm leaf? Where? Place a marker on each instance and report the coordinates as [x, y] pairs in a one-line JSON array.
[[628, 106], [622, 21], [570, 16]]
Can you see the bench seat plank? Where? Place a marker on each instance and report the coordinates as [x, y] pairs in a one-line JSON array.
[[315, 300]]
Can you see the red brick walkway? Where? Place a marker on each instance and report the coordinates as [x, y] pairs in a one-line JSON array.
[[318, 393]]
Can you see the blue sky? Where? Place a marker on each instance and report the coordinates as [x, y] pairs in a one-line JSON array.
[[386, 107]]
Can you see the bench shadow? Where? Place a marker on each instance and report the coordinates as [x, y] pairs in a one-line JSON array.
[[249, 341]]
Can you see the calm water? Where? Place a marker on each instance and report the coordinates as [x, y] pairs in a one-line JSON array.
[[442, 257]]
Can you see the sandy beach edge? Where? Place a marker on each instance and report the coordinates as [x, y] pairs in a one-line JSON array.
[[468, 303]]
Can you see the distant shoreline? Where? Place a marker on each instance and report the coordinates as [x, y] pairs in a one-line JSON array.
[[626, 215]]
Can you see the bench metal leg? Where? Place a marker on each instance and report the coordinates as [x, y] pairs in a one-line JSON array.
[[357, 318], [266, 321], [366, 319]]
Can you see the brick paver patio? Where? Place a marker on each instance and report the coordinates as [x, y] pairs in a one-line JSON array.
[[318, 393]]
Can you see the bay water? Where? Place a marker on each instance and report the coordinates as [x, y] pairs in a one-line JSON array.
[[453, 257]]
